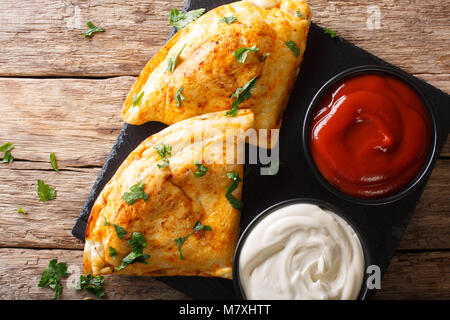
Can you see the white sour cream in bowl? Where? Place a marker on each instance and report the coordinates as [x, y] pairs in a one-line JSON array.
[[301, 251]]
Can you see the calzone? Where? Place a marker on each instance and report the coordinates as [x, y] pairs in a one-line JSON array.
[[245, 54], [172, 206]]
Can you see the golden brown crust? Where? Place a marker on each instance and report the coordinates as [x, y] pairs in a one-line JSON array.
[[177, 200], [209, 73]]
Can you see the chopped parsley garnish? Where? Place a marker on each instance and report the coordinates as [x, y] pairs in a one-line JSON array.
[[299, 14], [197, 227], [241, 53], [45, 192], [295, 50], [171, 65], [20, 210], [201, 170], [121, 232], [179, 97], [137, 100], [92, 30], [241, 94], [331, 33], [6, 149], [180, 19], [164, 150], [51, 276], [137, 244], [105, 222], [112, 252], [136, 193], [91, 284], [53, 162], [228, 20], [235, 203], [263, 57]]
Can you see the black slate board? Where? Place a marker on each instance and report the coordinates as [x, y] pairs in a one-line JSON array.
[[382, 226]]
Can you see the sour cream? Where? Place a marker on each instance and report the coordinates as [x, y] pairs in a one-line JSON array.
[[301, 251]]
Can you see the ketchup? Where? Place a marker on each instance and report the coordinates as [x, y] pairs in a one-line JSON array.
[[370, 135]]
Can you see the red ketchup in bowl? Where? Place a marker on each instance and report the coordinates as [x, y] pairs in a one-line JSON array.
[[370, 135]]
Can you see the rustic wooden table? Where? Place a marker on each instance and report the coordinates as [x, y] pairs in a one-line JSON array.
[[62, 93]]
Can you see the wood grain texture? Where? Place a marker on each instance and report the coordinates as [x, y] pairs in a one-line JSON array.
[[79, 120], [48, 225], [20, 272], [410, 276], [42, 37], [417, 276]]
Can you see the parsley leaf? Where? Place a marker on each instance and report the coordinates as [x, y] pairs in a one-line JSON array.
[[241, 53], [121, 232], [197, 227], [171, 65], [136, 193], [91, 284], [179, 97], [241, 94], [235, 203], [112, 252], [105, 223], [92, 30], [201, 170], [299, 14], [164, 150], [295, 50], [20, 210], [137, 244], [137, 100], [181, 19], [331, 33], [53, 162], [45, 192], [228, 20], [50, 277], [263, 57], [6, 149]]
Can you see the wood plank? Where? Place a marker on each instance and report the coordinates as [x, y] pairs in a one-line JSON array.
[[78, 119], [430, 223], [410, 276], [20, 272], [423, 275], [48, 225], [135, 30]]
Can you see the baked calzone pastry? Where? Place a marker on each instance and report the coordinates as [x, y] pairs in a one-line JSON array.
[[242, 55], [172, 206]]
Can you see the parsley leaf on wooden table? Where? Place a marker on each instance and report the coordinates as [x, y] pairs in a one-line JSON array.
[[53, 162], [92, 30], [51, 276], [45, 192], [6, 149]]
